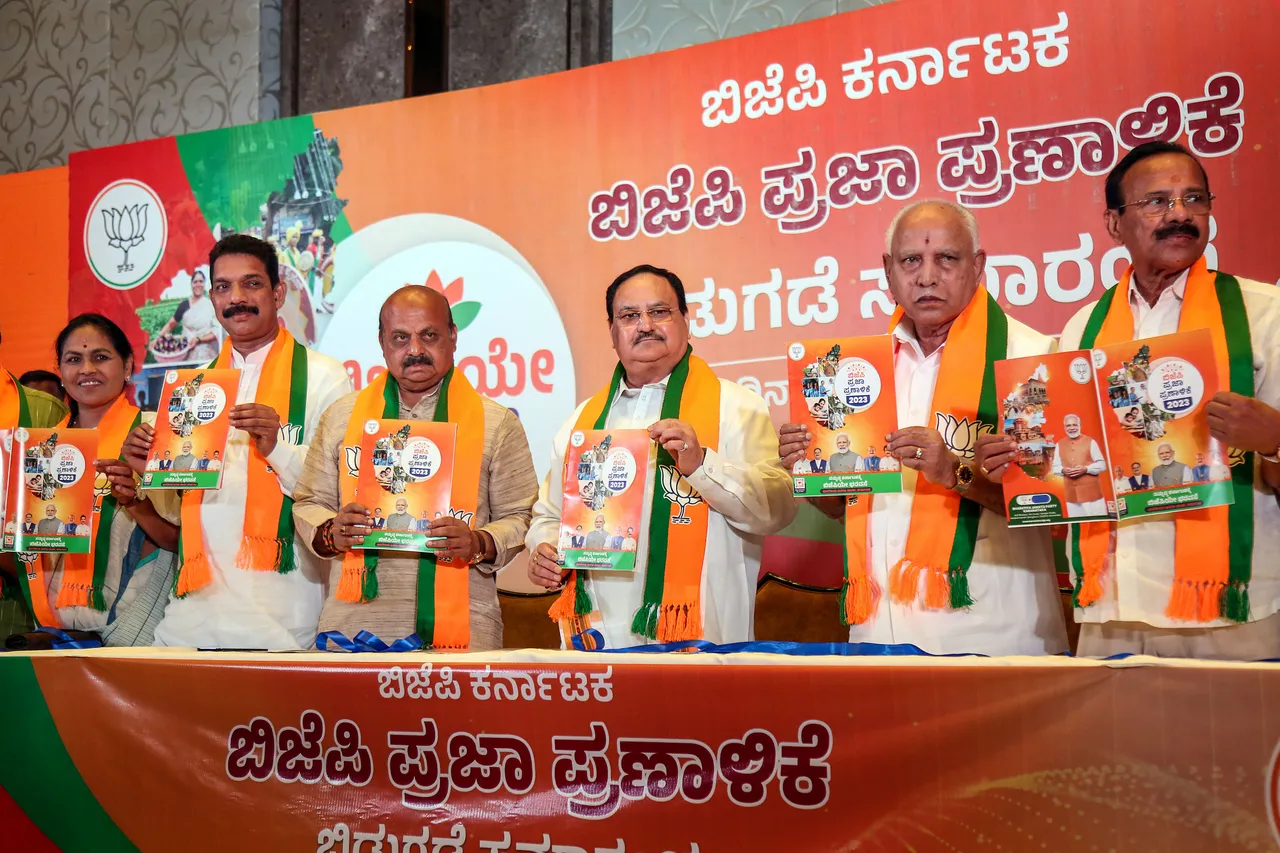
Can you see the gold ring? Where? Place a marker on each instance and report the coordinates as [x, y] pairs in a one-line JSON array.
[[983, 469], [684, 447], [919, 452]]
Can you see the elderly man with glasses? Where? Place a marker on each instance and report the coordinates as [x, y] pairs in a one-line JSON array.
[[1202, 583], [713, 489]]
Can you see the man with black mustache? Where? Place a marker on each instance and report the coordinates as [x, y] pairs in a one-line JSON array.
[[1203, 583], [494, 486], [244, 581]]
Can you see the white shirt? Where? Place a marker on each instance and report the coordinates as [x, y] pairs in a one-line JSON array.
[[744, 485], [1017, 609], [1121, 485], [1138, 579], [243, 608]]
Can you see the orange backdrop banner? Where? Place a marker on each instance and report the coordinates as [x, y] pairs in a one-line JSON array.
[[763, 170]]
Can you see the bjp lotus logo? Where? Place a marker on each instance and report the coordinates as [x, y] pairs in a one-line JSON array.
[[290, 433], [125, 233], [352, 457], [676, 489], [462, 515], [1235, 456], [126, 228], [961, 436]]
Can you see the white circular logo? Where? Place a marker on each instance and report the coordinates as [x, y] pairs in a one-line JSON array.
[[796, 351], [619, 470], [171, 376], [1080, 370], [371, 427], [578, 438], [512, 345], [857, 385], [21, 434], [1099, 359], [209, 402], [125, 234], [422, 459], [1175, 386]]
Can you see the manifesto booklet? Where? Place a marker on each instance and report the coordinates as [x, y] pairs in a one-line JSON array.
[[1050, 408], [1153, 394], [405, 481], [50, 490], [842, 390], [603, 498], [7, 524], [191, 429]]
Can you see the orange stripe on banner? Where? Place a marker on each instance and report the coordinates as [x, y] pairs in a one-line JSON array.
[[33, 262]]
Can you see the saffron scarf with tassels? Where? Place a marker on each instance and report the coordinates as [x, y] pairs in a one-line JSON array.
[[83, 575], [678, 518], [267, 543], [1213, 548], [944, 527], [443, 618]]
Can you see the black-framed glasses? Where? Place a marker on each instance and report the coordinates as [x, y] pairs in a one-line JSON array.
[[1195, 203]]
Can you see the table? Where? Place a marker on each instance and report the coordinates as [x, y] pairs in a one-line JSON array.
[[555, 752]]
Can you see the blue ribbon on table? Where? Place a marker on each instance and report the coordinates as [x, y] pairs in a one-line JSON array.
[[62, 640], [772, 647], [365, 641]]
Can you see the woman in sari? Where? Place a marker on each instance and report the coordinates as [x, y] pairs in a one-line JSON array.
[[120, 590]]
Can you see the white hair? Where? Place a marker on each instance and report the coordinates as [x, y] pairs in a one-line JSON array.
[[970, 221]]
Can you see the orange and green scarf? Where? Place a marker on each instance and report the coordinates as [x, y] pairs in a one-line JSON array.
[[443, 616], [943, 531], [83, 575], [267, 543], [672, 605], [1213, 548]]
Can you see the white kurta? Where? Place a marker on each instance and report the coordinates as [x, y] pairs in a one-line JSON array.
[[1017, 608], [256, 609], [743, 483], [1137, 581]]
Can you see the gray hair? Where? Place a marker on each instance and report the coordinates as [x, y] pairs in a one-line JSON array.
[[970, 221]]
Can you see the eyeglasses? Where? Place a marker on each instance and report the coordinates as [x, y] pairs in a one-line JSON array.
[[655, 315], [1197, 204]]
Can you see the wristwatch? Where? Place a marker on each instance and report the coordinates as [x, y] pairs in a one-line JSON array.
[[478, 557], [1274, 458], [964, 478]]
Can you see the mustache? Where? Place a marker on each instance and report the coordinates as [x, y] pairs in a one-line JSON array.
[[237, 310], [647, 336], [1175, 228], [411, 360]]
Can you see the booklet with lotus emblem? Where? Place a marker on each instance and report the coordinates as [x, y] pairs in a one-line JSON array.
[[603, 498], [1061, 474], [50, 490], [191, 429], [405, 481], [842, 389]]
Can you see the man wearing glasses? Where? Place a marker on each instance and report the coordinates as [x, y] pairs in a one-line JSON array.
[[714, 486], [1202, 583]]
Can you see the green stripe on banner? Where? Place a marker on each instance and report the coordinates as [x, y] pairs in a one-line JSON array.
[[39, 774]]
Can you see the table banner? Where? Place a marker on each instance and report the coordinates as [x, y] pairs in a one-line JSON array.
[[568, 753], [764, 170]]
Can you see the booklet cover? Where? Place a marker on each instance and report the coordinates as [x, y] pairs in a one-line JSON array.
[[1152, 394], [7, 524], [191, 429], [1050, 408], [842, 390], [603, 498], [405, 481], [50, 490]]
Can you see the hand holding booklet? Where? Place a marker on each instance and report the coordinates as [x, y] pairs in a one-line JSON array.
[[842, 391], [602, 500], [405, 479], [191, 429], [1116, 432]]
